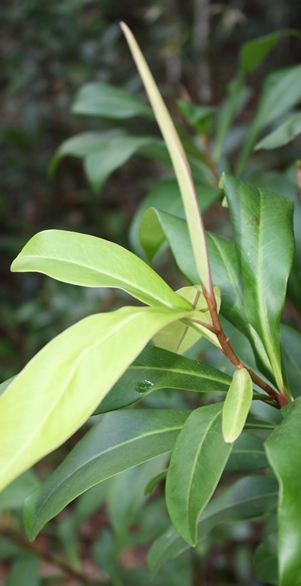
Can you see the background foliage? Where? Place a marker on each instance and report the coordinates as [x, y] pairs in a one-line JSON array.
[[49, 50]]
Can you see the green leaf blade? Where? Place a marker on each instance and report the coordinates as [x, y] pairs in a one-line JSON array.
[[108, 101], [45, 403], [237, 405], [155, 369], [197, 462], [262, 224], [116, 443], [88, 261], [283, 452], [180, 164], [250, 497]]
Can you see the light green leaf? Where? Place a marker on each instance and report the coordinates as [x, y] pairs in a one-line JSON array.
[[117, 442], [196, 465], [159, 369], [108, 101], [280, 93], [179, 337], [45, 403], [237, 405], [262, 224], [283, 449], [180, 164], [88, 261], [250, 497], [281, 135], [4, 385]]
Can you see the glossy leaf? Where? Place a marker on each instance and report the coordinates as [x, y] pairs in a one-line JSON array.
[[45, 403], [283, 134], [196, 465], [117, 442], [88, 261], [237, 405], [108, 101], [283, 452], [180, 164], [159, 369], [250, 497], [263, 237], [281, 92]]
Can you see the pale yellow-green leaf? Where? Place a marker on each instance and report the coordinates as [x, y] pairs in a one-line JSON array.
[[62, 385], [178, 336], [237, 405], [179, 161]]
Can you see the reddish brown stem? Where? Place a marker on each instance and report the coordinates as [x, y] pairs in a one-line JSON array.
[[278, 400]]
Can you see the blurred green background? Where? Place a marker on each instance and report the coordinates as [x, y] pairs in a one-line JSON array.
[[49, 50]]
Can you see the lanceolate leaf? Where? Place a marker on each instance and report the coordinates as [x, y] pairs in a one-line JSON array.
[[283, 449], [197, 462], [263, 236], [62, 385], [180, 164], [159, 369], [251, 497], [237, 405], [117, 442], [92, 262]]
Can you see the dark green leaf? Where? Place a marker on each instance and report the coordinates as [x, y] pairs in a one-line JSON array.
[[283, 448], [250, 497], [117, 442], [291, 344], [248, 453], [262, 224], [196, 465], [24, 571], [159, 369]]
